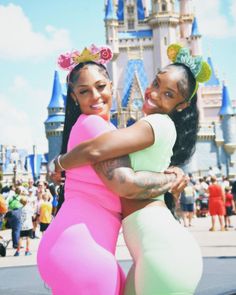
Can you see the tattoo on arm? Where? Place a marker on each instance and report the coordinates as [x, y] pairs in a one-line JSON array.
[[153, 184], [107, 168], [142, 185]]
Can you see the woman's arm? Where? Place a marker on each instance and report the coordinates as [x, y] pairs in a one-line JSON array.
[[122, 180], [109, 145]]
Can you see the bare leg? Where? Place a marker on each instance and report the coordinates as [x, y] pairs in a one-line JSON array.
[[27, 243], [221, 220], [190, 217], [184, 216], [213, 221]]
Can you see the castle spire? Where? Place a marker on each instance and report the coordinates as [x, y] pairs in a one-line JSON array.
[[226, 107], [55, 121], [195, 39], [195, 31], [110, 12], [120, 10], [214, 80], [140, 8], [56, 100]]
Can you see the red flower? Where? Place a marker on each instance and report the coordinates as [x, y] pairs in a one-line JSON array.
[[106, 54], [65, 61]]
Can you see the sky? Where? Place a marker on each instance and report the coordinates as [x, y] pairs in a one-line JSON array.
[[33, 33]]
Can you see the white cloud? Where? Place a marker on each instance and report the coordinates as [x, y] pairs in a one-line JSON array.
[[233, 9], [23, 111], [20, 41], [19, 82], [14, 124], [212, 23]]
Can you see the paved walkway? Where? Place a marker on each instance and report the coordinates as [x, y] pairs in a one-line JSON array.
[[218, 248], [213, 244]]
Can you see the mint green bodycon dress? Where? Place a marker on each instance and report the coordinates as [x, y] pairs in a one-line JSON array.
[[166, 258]]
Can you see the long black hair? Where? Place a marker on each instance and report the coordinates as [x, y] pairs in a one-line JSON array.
[[72, 114], [186, 124], [73, 111]]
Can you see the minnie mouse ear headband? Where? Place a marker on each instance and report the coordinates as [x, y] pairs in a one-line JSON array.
[[199, 68], [100, 55]]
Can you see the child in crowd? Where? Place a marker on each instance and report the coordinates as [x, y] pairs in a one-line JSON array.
[[45, 211], [229, 206], [26, 225]]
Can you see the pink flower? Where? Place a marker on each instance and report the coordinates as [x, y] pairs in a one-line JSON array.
[[65, 62], [105, 54]]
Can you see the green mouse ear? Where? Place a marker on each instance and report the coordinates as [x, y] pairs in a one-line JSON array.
[[205, 73], [173, 50]]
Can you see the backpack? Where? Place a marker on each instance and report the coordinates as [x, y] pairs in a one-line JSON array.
[[3, 246], [3, 205]]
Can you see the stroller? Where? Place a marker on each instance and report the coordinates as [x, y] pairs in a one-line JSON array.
[[202, 206], [3, 246]]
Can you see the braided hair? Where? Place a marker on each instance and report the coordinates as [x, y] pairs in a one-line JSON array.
[[186, 124]]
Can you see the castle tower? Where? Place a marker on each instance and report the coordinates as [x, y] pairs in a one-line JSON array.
[[195, 39], [186, 19], [228, 121], [210, 97], [134, 45], [55, 121], [164, 22], [111, 24]]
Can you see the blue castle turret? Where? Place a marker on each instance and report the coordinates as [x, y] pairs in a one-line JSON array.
[[55, 121], [110, 12], [228, 121]]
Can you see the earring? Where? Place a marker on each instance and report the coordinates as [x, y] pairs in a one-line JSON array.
[[179, 110], [76, 103]]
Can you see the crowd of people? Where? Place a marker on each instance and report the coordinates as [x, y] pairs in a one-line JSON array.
[[211, 195], [27, 208]]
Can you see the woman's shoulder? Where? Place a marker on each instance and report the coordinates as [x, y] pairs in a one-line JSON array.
[[158, 118], [89, 119]]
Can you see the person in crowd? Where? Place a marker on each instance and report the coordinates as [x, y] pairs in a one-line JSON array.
[[164, 100], [187, 201], [233, 191], [45, 211], [216, 204], [32, 187], [41, 189], [3, 210], [229, 207], [53, 191], [26, 226], [14, 216]]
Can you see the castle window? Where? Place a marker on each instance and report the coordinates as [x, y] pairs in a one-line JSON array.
[[130, 24], [130, 10], [163, 7]]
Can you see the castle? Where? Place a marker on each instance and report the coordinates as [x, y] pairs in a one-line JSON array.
[[139, 36]]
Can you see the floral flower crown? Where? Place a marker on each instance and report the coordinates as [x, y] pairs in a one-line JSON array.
[[199, 68], [100, 55]]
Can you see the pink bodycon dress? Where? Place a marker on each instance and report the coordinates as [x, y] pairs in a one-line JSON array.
[[76, 253]]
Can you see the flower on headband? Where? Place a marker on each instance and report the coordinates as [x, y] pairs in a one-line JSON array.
[[194, 64], [199, 68], [65, 61], [100, 55], [105, 54]]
